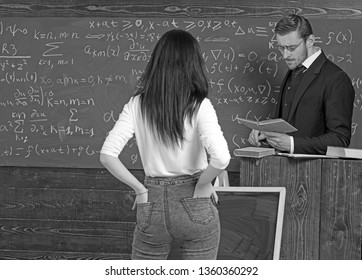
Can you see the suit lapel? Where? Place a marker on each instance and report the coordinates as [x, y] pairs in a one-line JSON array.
[[307, 79]]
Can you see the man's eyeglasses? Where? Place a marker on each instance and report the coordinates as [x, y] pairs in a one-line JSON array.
[[290, 49]]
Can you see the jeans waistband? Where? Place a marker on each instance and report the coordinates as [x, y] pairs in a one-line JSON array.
[[172, 180]]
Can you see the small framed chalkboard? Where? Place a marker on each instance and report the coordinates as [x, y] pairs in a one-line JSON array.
[[251, 222]]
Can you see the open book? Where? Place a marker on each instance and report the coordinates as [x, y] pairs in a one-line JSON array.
[[272, 125], [304, 155]]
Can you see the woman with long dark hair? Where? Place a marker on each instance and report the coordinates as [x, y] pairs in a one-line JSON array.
[[176, 127]]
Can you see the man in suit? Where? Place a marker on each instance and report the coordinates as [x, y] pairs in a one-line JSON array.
[[316, 95]]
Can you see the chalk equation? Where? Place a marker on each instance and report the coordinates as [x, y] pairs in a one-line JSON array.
[[65, 81]]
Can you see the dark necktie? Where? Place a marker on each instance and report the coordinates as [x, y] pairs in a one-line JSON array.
[[290, 90], [297, 71]]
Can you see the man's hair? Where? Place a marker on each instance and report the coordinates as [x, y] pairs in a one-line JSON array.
[[292, 23], [173, 85]]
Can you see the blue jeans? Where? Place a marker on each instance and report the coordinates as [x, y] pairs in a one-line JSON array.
[[171, 216]]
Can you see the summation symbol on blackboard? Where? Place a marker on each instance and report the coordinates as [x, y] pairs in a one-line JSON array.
[[73, 82]]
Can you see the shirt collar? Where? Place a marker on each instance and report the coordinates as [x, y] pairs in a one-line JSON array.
[[308, 62]]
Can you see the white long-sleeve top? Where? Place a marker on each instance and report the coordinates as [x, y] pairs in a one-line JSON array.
[[159, 160]]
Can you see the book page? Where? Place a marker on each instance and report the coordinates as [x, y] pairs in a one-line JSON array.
[[304, 155], [274, 125]]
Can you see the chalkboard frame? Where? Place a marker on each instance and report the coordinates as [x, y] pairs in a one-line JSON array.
[[252, 193], [180, 8]]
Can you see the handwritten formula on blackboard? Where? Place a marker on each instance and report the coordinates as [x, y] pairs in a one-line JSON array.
[[64, 81]]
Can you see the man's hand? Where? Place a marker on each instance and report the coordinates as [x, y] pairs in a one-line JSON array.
[[279, 141], [255, 137]]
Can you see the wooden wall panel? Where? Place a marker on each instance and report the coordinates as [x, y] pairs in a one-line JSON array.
[[341, 210], [62, 178], [58, 255], [301, 219], [66, 235], [75, 204], [302, 214], [64, 213]]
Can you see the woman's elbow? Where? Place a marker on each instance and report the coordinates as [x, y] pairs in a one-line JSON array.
[[104, 159], [226, 160], [221, 162]]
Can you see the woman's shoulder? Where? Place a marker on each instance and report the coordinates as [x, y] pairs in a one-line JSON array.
[[133, 102], [205, 102], [206, 105], [206, 111], [134, 99]]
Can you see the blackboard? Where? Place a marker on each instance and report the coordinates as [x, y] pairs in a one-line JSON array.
[[63, 81]]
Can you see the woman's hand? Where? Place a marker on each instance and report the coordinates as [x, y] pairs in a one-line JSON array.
[[203, 190], [140, 198], [206, 191]]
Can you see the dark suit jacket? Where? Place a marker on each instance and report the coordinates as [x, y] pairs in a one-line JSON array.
[[321, 109]]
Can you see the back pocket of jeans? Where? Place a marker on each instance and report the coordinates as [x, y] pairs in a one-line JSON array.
[[199, 209], [144, 213]]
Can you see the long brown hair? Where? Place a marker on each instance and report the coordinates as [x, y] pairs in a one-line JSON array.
[[173, 85]]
